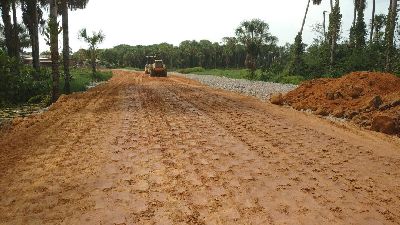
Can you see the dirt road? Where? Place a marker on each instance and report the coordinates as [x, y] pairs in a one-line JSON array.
[[141, 150]]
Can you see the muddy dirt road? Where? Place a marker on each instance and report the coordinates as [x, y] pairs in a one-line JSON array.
[[141, 150]]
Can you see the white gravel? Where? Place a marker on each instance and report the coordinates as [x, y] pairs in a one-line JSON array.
[[259, 89]]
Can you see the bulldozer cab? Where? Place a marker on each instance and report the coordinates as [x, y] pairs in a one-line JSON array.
[[150, 59], [158, 64]]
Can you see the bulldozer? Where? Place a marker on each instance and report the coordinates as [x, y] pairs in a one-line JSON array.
[[158, 69]]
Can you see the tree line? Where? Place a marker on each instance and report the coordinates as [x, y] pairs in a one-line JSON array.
[[15, 30], [15, 36], [254, 47]]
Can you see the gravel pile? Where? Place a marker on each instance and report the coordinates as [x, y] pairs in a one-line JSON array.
[[259, 89]]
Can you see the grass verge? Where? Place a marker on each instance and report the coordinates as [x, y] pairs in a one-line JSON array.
[[81, 78]]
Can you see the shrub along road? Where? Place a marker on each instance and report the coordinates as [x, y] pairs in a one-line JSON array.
[[142, 150]]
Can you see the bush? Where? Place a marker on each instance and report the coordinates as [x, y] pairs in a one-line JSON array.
[[20, 87]]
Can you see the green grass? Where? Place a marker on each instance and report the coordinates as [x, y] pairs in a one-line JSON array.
[[231, 73], [81, 78]]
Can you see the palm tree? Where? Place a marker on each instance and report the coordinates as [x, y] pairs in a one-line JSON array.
[[334, 29], [16, 41], [253, 34], [324, 24], [390, 27], [358, 30], [65, 26], [64, 7], [30, 16], [296, 66], [355, 12], [9, 28], [93, 41], [53, 26], [315, 2], [5, 15], [371, 34]]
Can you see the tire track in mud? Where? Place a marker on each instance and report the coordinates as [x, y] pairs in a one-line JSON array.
[[338, 191], [51, 178], [141, 150]]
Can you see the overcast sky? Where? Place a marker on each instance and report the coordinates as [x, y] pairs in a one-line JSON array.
[[156, 21]]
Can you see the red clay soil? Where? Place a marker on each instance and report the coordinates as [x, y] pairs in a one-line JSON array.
[[369, 99], [145, 150]]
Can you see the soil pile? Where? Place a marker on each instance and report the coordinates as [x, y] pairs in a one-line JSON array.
[[369, 99]]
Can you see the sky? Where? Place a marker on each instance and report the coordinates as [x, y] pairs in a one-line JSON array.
[[173, 21]]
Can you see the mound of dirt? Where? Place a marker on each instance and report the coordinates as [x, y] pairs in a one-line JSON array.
[[369, 99]]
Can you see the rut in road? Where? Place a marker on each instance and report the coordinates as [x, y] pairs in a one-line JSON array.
[[142, 150]]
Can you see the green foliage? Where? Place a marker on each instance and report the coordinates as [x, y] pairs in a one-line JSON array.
[[81, 78], [297, 65], [253, 35], [19, 88], [359, 30], [335, 19], [231, 73], [191, 70], [93, 41]]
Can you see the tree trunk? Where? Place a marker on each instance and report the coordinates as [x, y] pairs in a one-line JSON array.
[[324, 25], [31, 19], [355, 13], [304, 19], [16, 41], [93, 53], [54, 50], [371, 34], [334, 35], [35, 41], [8, 28], [390, 34], [67, 75]]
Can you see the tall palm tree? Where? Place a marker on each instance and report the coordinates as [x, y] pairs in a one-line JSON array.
[[253, 34], [64, 7], [296, 66], [358, 30], [334, 29], [16, 41], [8, 28], [53, 25], [30, 16], [371, 34], [315, 2], [355, 12], [11, 28], [390, 27]]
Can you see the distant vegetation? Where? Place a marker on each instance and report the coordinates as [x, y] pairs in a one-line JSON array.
[[254, 48]]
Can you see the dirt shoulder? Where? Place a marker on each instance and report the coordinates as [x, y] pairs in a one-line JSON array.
[[142, 150]]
